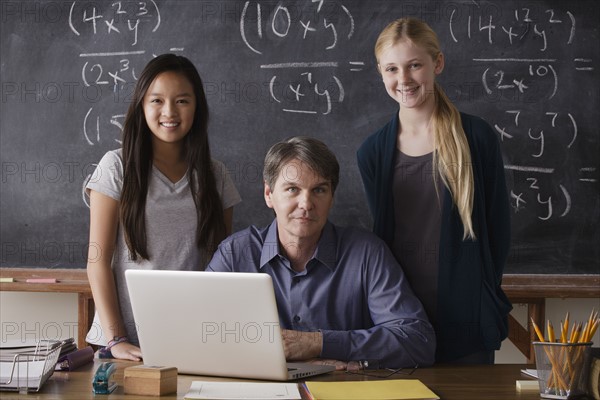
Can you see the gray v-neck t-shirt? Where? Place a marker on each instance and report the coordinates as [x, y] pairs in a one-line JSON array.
[[170, 228]]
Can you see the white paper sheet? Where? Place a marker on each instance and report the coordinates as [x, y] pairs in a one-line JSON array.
[[25, 374], [242, 391]]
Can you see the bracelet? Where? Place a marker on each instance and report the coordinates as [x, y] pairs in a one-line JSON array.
[[115, 341]]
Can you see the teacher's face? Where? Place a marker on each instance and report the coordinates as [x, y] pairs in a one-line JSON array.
[[301, 200]]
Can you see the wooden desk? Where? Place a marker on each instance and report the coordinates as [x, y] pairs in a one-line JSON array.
[[490, 382]]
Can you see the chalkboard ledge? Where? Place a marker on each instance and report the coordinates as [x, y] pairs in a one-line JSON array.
[[541, 286], [68, 281]]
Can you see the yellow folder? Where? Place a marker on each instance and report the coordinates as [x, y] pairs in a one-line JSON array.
[[398, 389]]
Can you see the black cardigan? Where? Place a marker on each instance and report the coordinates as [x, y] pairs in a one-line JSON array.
[[472, 308]]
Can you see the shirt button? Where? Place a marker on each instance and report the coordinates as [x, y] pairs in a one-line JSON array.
[[297, 318]]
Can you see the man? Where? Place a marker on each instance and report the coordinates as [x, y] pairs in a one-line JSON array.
[[340, 293]]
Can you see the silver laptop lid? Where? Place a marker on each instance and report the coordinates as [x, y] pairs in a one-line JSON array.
[[208, 323]]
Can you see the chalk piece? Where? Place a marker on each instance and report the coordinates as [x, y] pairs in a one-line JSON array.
[[526, 386], [6, 280], [41, 280]]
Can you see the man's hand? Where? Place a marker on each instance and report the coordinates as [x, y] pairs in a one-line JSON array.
[[353, 366], [301, 345]]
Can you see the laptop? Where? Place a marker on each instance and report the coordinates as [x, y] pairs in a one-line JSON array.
[[212, 323]]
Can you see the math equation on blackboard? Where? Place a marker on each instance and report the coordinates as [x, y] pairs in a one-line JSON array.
[[529, 66], [531, 60]]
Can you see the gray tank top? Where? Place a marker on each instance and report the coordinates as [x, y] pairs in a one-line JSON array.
[[417, 211]]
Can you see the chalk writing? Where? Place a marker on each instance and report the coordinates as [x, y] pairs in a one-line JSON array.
[[527, 25], [497, 79], [551, 116], [281, 24], [561, 129], [536, 141], [98, 74], [311, 91], [112, 72], [118, 17], [93, 122]]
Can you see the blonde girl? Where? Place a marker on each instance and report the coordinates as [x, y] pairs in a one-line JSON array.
[[434, 181]]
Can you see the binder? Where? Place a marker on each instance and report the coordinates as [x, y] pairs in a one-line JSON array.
[[75, 359]]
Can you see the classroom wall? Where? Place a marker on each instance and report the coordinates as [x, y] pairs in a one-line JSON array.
[[54, 315], [27, 316]]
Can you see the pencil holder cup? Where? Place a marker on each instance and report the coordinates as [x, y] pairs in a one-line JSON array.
[[559, 367]]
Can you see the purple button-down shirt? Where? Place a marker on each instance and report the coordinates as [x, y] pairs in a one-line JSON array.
[[352, 290]]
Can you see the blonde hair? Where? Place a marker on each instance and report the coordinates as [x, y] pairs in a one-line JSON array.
[[451, 156]]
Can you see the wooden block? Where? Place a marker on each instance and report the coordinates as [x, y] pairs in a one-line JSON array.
[[149, 380]]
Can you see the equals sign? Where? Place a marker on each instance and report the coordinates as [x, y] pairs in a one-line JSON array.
[[356, 64], [583, 170], [584, 64]]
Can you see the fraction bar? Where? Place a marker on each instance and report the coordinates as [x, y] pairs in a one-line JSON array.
[[300, 111], [301, 65], [516, 59], [109, 54], [529, 169]]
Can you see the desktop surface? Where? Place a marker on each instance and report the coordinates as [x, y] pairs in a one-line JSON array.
[[449, 382]]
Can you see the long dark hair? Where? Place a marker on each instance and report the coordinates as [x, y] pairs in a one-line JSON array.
[[138, 156]]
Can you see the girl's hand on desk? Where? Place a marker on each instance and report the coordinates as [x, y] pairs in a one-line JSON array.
[[126, 351]]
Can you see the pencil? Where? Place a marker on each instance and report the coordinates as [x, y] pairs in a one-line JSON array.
[[565, 329], [590, 328], [551, 337], [584, 333], [592, 320], [576, 333], [537, 330], [593, 330]]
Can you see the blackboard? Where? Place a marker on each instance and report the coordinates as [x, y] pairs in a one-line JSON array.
[[273, 69]]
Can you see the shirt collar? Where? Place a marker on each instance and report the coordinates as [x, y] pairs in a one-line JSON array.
[[270, 247], [327, 247], [326, 252]]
